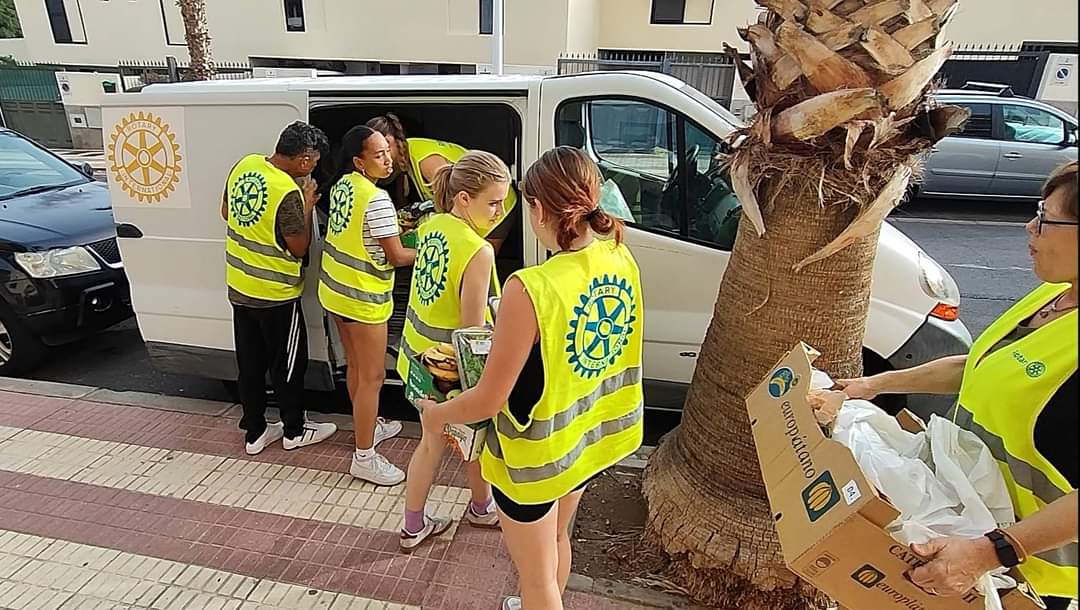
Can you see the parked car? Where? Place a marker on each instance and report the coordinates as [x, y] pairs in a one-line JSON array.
[[1007, 149], [644, 129], [61, 276]]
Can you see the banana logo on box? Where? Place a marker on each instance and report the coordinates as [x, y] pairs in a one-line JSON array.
[[820, 496], [781, 382], [868, 576]]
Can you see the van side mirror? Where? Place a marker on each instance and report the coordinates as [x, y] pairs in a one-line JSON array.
[[86, 169], [1070, 136]]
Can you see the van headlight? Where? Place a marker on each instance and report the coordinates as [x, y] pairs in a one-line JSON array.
[[57, 263], [936, 282]]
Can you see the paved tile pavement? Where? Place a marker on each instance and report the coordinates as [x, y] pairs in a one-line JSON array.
[[111, 506]]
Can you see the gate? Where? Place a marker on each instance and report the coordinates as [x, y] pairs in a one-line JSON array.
[[712, 74], [1020, 67], [30, 104]]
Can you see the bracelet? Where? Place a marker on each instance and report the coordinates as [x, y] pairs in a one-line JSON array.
[[1021, 552]]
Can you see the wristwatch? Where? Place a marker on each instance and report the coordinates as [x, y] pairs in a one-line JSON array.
[[1006, 552]]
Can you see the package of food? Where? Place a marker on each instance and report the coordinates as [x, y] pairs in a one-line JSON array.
[[410, 217], [472, 346], [433, 375]]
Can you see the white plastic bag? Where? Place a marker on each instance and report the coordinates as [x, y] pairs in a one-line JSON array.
[[944, 481], [613, 202]]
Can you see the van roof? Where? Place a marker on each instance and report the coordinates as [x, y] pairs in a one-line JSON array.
[[468, 82]]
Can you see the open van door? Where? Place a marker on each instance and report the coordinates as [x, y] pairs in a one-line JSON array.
[[169, 152], [657, 146]]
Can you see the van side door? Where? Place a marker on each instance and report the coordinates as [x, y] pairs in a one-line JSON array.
[[169, 154], [658, 150]]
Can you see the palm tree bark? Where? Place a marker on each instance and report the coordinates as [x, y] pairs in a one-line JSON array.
[[197, 34], [840, 88]]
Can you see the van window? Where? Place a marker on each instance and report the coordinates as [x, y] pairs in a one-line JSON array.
[[1026, 124], [666, 169]]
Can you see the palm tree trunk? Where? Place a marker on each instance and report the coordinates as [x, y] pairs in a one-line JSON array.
[[197, 34], [840, 89], [718, 525]]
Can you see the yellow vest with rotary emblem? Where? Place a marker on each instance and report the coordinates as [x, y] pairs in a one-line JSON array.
[[352, 284], [255, 264], [422, 148], [589, 311], [445, 246], [1001, 397]]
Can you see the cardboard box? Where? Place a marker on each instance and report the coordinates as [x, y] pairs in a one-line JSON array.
[[830, 520]]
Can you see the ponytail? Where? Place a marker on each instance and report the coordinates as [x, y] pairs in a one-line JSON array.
[[440, 187], [566, 182]]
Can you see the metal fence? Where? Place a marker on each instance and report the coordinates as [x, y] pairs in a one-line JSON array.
[[1019, 66], [713, 75], [141, 72]]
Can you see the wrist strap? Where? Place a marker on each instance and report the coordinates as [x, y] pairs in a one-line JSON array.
[[1021, 552], [1007, 553]]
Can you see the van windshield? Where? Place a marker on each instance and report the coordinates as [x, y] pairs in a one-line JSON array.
[[26, 168]]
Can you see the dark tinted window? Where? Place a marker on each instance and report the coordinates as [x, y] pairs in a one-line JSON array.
[[294, 15], [668, 11], [981, 123], [487, 17], [58, 21]]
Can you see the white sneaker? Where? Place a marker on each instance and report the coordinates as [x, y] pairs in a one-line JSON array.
[[511, 603], [433, 526], [272, 434], [386, 429], [488, 519], [377, 470], [312, 433]]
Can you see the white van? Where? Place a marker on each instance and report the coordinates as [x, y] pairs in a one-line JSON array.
[[171, 146]]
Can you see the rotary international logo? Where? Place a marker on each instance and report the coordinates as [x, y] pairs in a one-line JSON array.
[[144, 157]]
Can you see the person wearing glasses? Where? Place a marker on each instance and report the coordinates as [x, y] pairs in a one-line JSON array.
[[1018, 392]]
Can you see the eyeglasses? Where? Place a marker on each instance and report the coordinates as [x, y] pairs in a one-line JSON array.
[[1040, 220]]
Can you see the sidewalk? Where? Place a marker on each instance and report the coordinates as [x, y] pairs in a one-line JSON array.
[[106, 505]]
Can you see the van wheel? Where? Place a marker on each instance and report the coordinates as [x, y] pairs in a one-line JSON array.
[[20, 350], [874, 364]]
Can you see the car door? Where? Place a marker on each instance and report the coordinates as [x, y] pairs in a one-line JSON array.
[[1034, 142], [169, 153], [964, 163], [634, 127]]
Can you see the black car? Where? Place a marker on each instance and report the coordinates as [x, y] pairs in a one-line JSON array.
[[60, 271]]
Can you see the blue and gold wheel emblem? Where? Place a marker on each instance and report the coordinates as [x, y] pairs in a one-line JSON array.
[[601, 326], [341, 204], [248, 198], [781, 382], [432, 267]]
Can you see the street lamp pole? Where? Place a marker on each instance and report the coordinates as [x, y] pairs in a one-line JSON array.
[[497, 37]]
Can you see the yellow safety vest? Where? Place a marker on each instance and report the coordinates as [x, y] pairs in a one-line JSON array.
[[445, 246], [589, 311], [255, 264], [1001, 397], [352, 284], [422, 148]]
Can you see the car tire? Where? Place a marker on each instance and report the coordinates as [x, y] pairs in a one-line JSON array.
[[20, 350]]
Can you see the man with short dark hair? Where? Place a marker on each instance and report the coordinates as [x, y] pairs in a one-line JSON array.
[[268, 204]]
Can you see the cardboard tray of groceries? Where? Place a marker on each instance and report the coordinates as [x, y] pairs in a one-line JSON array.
[[831, 522], [429, 377]]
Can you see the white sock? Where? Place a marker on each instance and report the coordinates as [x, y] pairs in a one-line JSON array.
[[364, 454]]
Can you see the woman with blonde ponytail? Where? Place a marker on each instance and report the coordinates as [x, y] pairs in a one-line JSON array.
[[453, 277]]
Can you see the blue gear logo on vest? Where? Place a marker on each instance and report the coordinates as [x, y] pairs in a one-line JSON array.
[[248, 198], [341, 204], [432, 267], [601, 326], [781, 382]]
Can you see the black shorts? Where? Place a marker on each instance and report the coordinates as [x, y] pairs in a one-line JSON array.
[[529, 513]]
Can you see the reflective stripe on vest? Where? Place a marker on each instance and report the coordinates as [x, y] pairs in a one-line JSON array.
[[255, 264], [445, 245], [351, 283], [1001, 397], [589, 311], [422, 148]]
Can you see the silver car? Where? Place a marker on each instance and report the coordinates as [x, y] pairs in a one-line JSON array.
[[1007, 149]]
